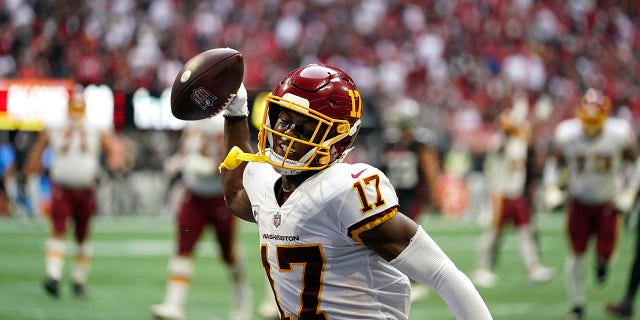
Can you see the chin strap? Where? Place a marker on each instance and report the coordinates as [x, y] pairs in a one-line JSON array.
[[236, 156]]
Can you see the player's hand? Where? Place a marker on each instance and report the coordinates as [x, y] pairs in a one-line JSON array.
[[625, 200], [172, 165], [553, 197], [238, 106]]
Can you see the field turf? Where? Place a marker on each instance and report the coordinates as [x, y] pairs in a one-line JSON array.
[[131, 253]]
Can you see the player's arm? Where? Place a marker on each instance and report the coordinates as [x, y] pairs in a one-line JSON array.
[[430, 164], [33, 164], [626, 198], [114, 150], [412, 251], [236, 134], [553, 196]]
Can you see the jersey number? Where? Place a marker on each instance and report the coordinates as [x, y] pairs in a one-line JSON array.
[[311, 259], [600, 163], [371, 182], [356, 104]]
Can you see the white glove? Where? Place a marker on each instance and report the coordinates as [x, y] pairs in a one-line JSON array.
[[624, 200], [172, 165], [238, 106], [553, 196]]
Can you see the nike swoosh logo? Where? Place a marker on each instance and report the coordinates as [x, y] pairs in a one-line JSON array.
[[356, 175]]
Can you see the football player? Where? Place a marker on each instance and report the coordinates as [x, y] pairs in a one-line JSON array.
[[202, 206], [410, 161], [76, 149], [332, 243], [594, 148], [511, 175]]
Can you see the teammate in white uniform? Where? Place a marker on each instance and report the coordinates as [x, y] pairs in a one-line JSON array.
[[77, 149], [512, 205], [332, 242], [593, 148], [202, 206]]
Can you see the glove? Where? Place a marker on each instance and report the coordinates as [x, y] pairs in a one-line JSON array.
[[238, 106], [625, 200], [172, 165], [553, 196]]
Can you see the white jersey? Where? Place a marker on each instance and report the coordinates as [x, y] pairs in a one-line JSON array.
[[76, 155], [511, 167], [202, 148], [594, 164], [311, 244]]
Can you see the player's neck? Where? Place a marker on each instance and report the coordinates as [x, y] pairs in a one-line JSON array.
[[291, 182]]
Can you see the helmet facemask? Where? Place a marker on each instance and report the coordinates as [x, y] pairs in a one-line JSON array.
[[319, 134]]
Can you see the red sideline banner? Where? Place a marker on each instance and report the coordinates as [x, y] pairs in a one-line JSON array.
[[30, 104]]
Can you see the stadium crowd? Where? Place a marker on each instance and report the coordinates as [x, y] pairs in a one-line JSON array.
[[451, 56]]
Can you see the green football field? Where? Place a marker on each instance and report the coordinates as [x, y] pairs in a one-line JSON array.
[[131, 253]]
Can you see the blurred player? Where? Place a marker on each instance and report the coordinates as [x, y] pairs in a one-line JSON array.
[[593, 147], [76, 149], [331, 240], [202, 205], [512, 203], [410, 159], [411, 163]]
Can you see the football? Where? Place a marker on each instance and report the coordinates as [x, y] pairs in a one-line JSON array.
[[207, 83]]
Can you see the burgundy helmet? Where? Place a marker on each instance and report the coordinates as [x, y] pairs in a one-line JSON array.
[[325, 94], [593, 111]]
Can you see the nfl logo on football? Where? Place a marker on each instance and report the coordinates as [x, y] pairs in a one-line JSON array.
[[277, 218], [203, 98]]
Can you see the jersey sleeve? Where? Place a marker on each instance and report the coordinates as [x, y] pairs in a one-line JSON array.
[[369, 201]]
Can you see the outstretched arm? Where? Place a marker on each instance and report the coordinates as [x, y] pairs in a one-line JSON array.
[[236, 134], [412, 251]]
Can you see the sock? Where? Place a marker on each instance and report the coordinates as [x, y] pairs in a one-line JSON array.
[[82, 264], [527, 247], [180, 273], [486, 249], [575, 273], [54, 257]]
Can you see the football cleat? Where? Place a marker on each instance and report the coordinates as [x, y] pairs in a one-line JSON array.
[[576, 313], [540, 274], [484, 278], [167, 312], [621, 309], [601, 274], [52, 287], [79, 290]]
